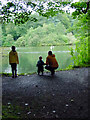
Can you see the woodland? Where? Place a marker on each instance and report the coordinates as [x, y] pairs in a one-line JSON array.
[[45, 23]]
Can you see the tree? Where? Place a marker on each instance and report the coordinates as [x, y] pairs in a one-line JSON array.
[[80, 29], [20, 11], [20, 42], [17, 12], [0, 36], [9, 40]]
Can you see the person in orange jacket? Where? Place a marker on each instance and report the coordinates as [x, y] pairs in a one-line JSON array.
[[51, 62], [13, 61]]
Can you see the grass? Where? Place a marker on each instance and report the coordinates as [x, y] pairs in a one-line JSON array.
[[70, 67], [21, 74], [18, 112], [9, 111], [15, 112]]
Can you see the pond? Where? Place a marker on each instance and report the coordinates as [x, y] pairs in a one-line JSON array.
[[28, 57]]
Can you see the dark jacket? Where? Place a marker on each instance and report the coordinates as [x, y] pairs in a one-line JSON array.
[[40, 63]]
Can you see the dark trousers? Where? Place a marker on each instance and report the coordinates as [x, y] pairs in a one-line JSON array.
[[52, 69], [40, 69], [14, 69]]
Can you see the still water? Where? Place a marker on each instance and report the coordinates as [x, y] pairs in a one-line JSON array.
[[28, 57]]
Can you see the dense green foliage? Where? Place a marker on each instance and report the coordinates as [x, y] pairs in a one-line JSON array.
[[80, 29], [20, 11], [52, 31], [79, 26]]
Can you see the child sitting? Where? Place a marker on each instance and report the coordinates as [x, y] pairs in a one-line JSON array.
[[40, 64]]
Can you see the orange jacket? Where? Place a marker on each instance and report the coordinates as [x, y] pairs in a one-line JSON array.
[[51, 60], [13, 57]]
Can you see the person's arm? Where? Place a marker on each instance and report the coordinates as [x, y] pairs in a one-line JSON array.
[[47, 61], [43, 63]]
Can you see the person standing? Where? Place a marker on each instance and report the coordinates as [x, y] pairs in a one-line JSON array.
[[51, 63], [40, 64], [13, 61]]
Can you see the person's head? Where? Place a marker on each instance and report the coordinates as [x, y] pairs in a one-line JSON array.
[[13, 48], [40, 57], [50, 53]]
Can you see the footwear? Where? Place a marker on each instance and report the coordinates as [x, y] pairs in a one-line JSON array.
[[42, 73], [12, 76], [15, 76], [52, 72]]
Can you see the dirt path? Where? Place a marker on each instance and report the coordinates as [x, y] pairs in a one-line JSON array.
[[65, 95]]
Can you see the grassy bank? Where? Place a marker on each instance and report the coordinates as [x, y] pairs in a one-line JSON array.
[[70, 67]]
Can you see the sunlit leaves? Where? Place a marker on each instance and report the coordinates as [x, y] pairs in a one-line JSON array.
[[81, 7], [65, 3], [50, 4], [21, 18], [33, 19], [78, 5], [74, 14], [15, 11], [33, 5], [10, 4], [80, 29], [51, 12]]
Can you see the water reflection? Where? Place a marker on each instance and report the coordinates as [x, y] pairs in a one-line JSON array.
[[46, 51], [28, 58]]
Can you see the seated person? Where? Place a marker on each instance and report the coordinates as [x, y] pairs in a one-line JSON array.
[[51, 63]]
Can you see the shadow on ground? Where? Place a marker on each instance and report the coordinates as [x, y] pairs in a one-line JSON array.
[[64, 95]]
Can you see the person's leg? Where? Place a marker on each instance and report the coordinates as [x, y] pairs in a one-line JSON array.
[[50, 69], [42, 70], [38, 70], [15, 68], [53, 70], [12, 66]]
